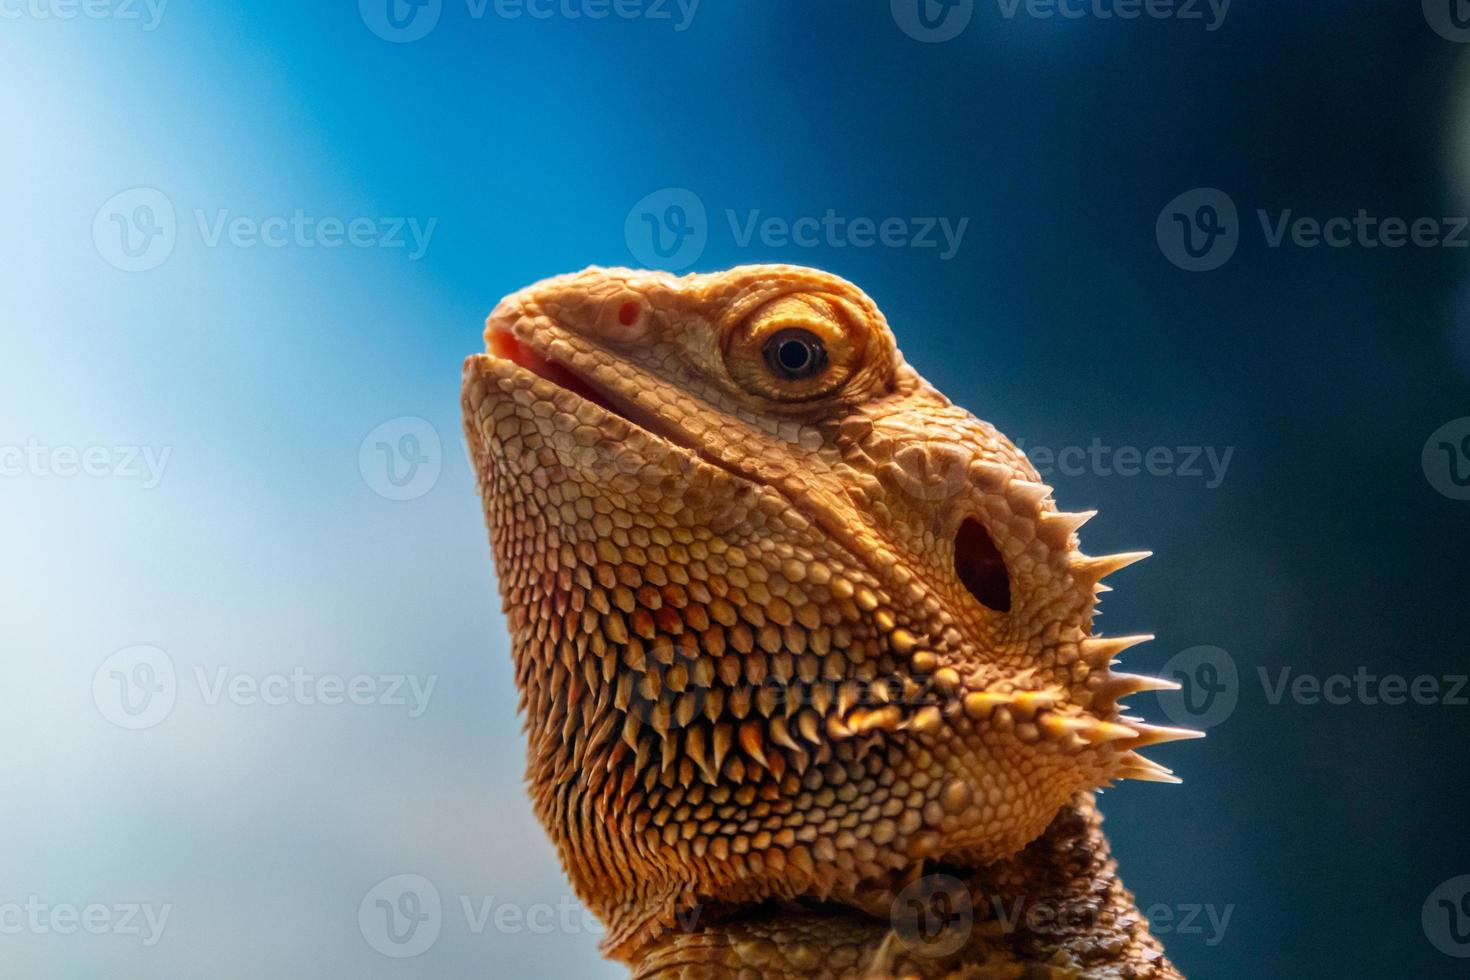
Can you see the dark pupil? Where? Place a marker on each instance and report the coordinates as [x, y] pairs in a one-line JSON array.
[[795, 354]]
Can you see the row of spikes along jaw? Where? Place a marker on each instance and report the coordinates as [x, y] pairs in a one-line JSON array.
[[724, 707]]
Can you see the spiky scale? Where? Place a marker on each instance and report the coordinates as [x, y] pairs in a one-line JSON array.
[[1059, 524], [1138, 767], [1117, 686], [1102, 649], [752, 740], [1090, 568], [1161, 734]]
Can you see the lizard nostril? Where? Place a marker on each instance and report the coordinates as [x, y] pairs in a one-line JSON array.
[[628, 313], [980, 567]]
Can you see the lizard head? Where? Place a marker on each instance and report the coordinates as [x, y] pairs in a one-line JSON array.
[[787, 624]]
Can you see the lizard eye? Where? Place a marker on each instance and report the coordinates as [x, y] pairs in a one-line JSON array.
[[796, 354], [793, 349]]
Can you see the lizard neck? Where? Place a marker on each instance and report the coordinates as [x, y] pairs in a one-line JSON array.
[[1057, 909]]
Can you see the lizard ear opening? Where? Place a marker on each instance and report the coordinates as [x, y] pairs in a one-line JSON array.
[[980, 567]]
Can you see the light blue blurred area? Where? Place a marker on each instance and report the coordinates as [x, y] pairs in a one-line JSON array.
[[270, 375]]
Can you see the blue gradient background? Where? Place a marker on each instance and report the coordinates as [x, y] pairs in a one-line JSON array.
[[264, 548]]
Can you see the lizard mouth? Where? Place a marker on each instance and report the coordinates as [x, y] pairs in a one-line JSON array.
[[502, 344]]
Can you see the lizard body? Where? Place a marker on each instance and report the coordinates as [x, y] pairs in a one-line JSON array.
[[804, 650]]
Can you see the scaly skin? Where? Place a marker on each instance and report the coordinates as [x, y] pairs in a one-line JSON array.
[[788, 646]]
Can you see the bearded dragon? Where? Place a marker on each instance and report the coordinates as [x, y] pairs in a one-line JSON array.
[[805, 651]]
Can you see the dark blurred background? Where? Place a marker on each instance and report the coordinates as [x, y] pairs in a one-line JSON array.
[[1283, 423]]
